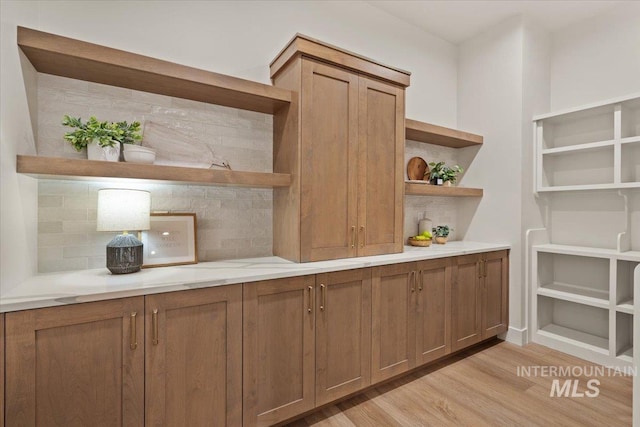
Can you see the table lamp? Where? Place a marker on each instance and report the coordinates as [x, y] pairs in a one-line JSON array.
[[123, 210]]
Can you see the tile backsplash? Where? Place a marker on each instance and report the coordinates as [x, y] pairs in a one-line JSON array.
[[441, 210], [232, 222]]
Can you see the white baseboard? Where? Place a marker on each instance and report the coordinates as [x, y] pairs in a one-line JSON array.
[[516, 336]]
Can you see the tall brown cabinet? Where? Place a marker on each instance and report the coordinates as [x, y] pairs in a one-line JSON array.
[[342, 140]]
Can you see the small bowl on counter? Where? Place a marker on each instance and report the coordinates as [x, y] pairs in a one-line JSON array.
[[139, 154], [416, 242]]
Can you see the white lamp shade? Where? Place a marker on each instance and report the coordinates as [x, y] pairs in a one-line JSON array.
[[123, 210]]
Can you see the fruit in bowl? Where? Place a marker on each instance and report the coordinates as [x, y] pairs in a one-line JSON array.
[[423, 239]]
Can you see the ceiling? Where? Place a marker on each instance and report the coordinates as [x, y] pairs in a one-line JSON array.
[[457, 21]]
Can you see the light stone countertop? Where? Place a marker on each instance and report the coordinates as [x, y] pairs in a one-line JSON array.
[[53, 289]]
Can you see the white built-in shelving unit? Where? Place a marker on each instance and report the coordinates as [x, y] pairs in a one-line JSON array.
[[583, 302], [587, 180], [594, 147]]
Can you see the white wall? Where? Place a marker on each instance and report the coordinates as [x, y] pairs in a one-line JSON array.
[[18, 194], [241, 38], [597, 59], [535, 100], [490, 101]]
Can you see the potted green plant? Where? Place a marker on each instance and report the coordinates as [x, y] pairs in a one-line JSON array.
[[441, 174], [101, 139], [441, 234]]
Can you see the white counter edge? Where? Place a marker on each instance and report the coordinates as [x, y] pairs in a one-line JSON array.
[[54, 289]]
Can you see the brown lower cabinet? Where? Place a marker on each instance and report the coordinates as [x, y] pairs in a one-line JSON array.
[[411, 304], [77, 365], [306, 343], [193, 348], [479, 297], [255, 354], [495, 295], [393, 320], [175, 357]]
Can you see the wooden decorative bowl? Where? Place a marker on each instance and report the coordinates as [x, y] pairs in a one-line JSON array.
[[423, 243]]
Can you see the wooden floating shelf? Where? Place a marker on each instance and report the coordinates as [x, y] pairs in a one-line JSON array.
[[77, 169], [438, 135], [438, 190], [66, 57]]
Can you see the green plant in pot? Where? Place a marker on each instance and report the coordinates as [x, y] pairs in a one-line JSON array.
[[442, 174], [101, 139], [441, 233]]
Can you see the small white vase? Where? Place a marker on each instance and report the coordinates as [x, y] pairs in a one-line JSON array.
[[105, 154]]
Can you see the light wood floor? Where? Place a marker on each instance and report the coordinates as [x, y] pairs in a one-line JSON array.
[[481, 388]]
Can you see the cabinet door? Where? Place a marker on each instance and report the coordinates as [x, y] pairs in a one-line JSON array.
[[433, 319], [329, 128], [193, 357], [278, 349], [343, 334], [495, 301], [466, 302], [380, 168], [77, 365], [393, 320]]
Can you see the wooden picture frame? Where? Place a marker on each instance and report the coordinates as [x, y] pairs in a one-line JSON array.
[[171, 240]]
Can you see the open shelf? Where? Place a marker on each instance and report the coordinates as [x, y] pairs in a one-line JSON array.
[[630, 118], [439, 190], [582, 187], [632, 256], [578, 294], [578, 168], [625, 307], [576, 324], [624, 336], [577, 250], [66, 57], [575, 148], [581, 339], [624, 285], [577, 128], [438, 135], [630, 161], [54, 167], [579, 279]]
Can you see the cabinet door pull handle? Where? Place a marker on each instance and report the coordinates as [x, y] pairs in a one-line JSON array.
[[420, 280], [353, 236], [363, 237], [412, 280], [485, 267], [154, 321], [310, 308], [133, 344], [323, 291], [479, 269]]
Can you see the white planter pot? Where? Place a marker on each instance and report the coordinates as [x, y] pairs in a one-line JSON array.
[[106, 154]]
